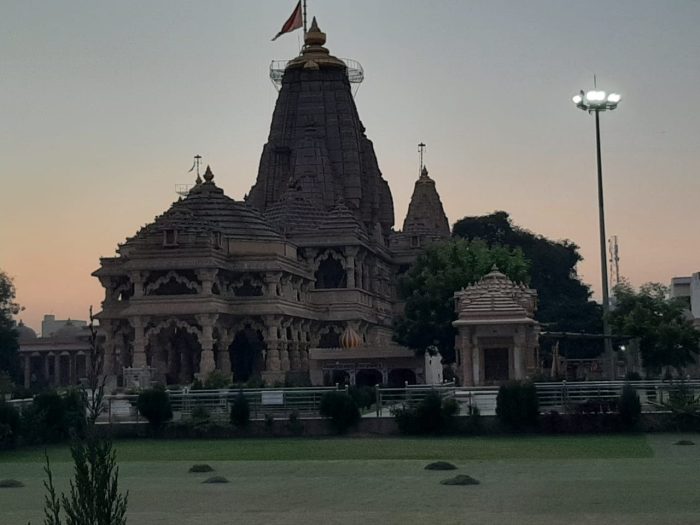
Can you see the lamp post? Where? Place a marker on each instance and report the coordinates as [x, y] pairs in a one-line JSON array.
[[595, 101]]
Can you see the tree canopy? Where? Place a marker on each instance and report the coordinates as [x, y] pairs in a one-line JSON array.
[[564, 301], [8, 334], [666, 335], [429, 285]]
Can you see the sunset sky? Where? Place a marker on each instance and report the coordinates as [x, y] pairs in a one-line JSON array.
[[103, 105]]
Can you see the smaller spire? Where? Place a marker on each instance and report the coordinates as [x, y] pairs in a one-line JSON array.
[[208, 175], [424, 173]]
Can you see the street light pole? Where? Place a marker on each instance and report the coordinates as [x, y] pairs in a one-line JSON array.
[[603, 254], [595, 102]]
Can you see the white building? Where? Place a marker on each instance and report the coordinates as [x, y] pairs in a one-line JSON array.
[[688, 287]]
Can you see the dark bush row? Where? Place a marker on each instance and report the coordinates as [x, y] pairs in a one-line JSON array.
[[51, 418]]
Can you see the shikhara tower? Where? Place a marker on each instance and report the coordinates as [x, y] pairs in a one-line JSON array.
[[297, 283]]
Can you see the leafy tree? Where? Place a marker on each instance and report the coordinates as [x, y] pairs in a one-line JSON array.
[[666, 335], [564, 301], [429, 286], [9, 346]]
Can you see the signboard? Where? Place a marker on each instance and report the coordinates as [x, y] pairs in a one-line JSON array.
[[272, 398]]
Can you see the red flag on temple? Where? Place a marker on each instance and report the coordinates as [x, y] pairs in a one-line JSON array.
[[295, 21]]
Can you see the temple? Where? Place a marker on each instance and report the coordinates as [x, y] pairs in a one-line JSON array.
[[295, 284]]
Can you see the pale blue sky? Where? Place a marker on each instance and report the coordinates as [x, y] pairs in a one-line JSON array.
[[103, 104]]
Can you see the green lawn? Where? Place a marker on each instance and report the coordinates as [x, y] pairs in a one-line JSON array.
[[525, 447], [623, 480]]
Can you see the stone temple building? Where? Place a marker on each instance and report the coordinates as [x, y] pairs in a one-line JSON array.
[[497, 339], [297, 283]]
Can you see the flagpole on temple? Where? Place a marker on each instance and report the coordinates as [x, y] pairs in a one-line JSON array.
[[304, 17]]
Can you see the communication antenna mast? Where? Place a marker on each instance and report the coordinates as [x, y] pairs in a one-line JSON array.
[[421, 149], [614, 260]]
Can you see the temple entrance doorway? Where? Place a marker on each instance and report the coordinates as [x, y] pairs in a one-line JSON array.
[[400, 376], [174, 353], [496, 364], [246, 353], [368, 377]]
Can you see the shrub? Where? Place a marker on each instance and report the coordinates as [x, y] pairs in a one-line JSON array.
[[364, 396], [9, 425], [517, 405], [240, 411], [432, 415], [341, 410], [630, 408], [217, 379], [154, 405], [294, 425], [52, 418], [269, 422], [200, 415], [461, 479]]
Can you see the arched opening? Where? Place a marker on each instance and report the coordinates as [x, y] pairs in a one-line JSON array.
[[400, 376], [330, 274], [368, 377], [246, 354], [336, 377], [174, 353]]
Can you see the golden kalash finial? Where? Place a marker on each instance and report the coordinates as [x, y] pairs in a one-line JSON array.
[[314, 55]]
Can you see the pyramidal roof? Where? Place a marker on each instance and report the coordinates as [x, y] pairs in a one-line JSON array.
[[206, 209], [341, 220], [425, 212], [497, 299]]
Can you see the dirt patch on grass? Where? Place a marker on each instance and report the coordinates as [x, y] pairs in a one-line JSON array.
[[10, 484], [440, 465], [200, 468], [216, 479], [462, 479]]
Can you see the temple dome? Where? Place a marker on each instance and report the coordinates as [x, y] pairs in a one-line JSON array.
[[350, 338], [25, 333]]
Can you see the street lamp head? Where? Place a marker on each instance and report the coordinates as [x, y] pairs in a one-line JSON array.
[[595, 100]]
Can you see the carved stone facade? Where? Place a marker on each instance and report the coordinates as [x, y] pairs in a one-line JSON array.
[[497, 338], [296, 283]]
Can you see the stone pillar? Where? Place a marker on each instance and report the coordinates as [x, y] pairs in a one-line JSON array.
[[271, 281], [71, 369], [46, 367], [207, 276], [476, 360], [206, 340], [350, 254], [138, 279], [223, 357], [466, 355], [518, 353], [273, 369], [304, 356], [27, 371], [139, 354], [56, 370], [294, 353]]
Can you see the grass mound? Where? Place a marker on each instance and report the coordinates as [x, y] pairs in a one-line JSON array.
[[200, 468], [10, 484], [440, 465], [684, 442], [216, 479], [462, 479]]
